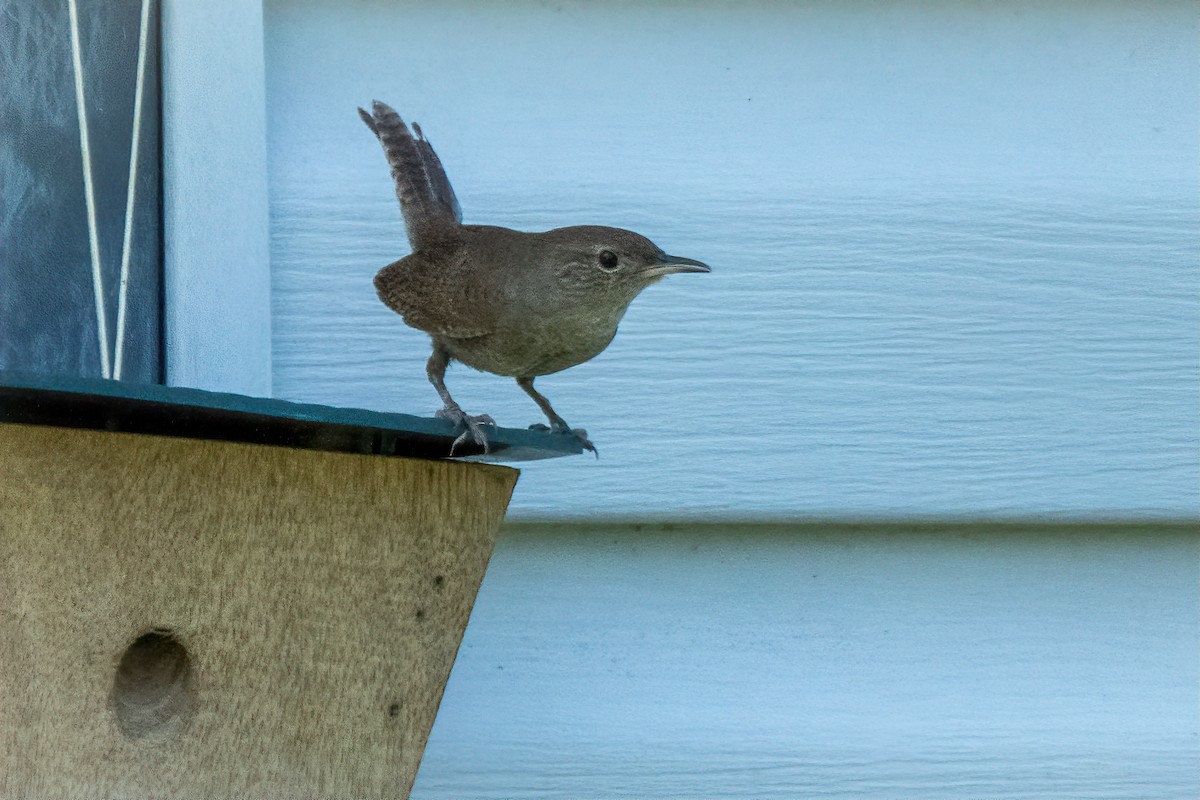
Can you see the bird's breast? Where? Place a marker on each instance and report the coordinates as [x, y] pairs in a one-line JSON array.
[[535, 347]]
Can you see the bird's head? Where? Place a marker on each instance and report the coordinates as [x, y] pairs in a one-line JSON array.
[[611, 262]]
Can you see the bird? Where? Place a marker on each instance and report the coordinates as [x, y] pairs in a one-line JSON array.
[[512, 303]]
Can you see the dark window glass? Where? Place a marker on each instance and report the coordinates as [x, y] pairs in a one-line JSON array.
[[65, 188]]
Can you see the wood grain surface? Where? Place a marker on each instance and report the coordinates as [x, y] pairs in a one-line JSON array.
[[296, 613]]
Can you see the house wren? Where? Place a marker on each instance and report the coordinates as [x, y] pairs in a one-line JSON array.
[[503, 301]]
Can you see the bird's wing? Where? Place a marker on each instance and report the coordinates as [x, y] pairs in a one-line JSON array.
[[440, 297], [427, 201]]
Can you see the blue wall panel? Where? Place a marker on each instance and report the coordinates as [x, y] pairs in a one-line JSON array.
[[955, 250]]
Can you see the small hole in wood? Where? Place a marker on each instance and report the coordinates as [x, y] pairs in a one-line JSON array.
[[394, 710], [152, 688]]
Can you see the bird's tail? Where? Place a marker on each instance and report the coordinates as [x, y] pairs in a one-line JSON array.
[[426, 198]]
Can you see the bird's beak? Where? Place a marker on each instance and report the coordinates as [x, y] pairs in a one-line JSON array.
[[669, 265]]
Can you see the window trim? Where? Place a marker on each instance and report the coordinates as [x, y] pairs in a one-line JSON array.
[[216, 229]]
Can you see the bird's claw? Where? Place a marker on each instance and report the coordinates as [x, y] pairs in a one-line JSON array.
[[561, 427], [472, 427]]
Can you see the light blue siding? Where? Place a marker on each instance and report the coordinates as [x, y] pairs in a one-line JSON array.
[[955, 246], [827, 661]]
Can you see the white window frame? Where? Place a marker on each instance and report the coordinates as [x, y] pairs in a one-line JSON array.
[[216, 228]]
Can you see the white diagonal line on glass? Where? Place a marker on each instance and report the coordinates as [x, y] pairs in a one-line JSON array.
[[130, 189], [89, 194]]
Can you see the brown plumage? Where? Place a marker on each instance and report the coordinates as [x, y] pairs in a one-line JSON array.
[[503, 301]]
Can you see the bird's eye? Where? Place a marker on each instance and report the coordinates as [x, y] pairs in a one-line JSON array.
[[608, 260]]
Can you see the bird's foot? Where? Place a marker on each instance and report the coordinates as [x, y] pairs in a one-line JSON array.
[[562, 427], [472, 427]]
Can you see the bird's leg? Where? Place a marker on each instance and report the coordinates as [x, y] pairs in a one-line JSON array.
[[557, 423], [452, 411]]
